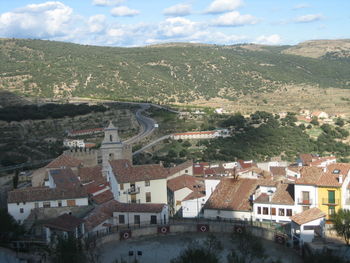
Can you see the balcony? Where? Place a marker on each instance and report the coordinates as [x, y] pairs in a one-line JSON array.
[[134, 201], [302, 201], [133, 190], [326, 201]]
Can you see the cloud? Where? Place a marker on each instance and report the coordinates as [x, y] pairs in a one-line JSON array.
[[301, 6], [308, 18], [107, 2], [124, 11], [234, 18], [50, 19], [178, 10], [221, 6], [177, 26], [268, 40], [97, 23]]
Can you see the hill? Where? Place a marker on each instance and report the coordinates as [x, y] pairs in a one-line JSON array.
[[170, 73]]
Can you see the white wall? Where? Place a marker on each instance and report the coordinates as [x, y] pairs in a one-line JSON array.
[[14, 209], [269, 217], [210, 185], [187, 170], [192, 208], [145, 218], [213, 214], [308, 235], [180, 195], [313, 193]]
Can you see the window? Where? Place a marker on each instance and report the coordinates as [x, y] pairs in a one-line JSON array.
[[331, 197], [36, 205], [59, 203], [147, 183], [281, 211], [111, 137], [70, 202], [153, 220], [265, 210], [121, 219], [137, 220], [273, 211], [331, 210], [186, 171], [148, 197], [21, 210], [289, 212], [121, 186], [259, 210], [46, 204]]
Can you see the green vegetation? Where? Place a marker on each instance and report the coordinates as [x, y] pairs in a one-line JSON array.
[[341, 224], [55, 111], [9, 229], [166, 74]]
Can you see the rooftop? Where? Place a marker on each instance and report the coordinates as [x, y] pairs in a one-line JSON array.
[[64, 178], [284, 195], [185, 181], [308, 216], [65, 222], [64, 161], [88, 174]]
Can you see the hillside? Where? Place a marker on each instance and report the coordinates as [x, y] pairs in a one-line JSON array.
[[171, 73]]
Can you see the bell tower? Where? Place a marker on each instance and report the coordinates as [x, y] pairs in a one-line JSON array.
[[111, 146]]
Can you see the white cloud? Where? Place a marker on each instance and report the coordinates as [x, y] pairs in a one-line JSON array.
[[124, 11], [301, 6], [178, 10], [177, 26], [221, 6], [106, 2], [97, 23], [268, 40], [308, 18], [44, 20], [234, 18]]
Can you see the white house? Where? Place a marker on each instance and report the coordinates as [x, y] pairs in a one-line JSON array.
[[21, 201], [308, 224], [193, 203], [74, 143], [231, 199], [274, 202]]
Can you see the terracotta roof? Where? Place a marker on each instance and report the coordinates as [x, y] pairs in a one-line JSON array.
[[256, 170], [126, 172], [306, 158], [309, 175], [194, 133], [198, 169], [339, 168], [103, 197], [232, 194], [141, 208], [267, 181], [296, 169], [194, 195], [64, 161], [278, 171], [32, 194], [184, 181], [180, 167], [94, 187], [320, 160], [245, 164], [64, 178], [308, 216], [65, 222], [88, 174], [284, 195], [330, 180]]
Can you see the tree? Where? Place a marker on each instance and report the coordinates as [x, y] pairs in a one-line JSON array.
[[341, 224], [340, 122], [68, 250], [314, 121], [9, 228], [183, 153], [186, 144], [15, 180]]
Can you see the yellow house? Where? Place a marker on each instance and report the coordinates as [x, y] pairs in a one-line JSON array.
[[330, 186]]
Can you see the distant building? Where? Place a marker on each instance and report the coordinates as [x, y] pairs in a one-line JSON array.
[[201, 134], [73, 143]]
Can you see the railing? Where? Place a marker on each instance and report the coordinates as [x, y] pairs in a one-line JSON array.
[[326, 201], [135, 201], [302, 201], [133, 190]]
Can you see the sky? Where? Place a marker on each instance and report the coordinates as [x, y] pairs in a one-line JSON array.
[[130, 23]]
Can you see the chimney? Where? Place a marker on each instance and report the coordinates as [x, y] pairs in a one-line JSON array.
[[340, 179], [253, 197], [270, 197]]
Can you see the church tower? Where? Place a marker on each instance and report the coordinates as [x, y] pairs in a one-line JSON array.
[[111, 146]]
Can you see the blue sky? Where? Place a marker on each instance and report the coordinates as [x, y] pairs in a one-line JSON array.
[[141, 22]]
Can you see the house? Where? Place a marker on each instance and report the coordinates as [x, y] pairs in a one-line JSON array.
[[253, 172], [231, 199], [140, 214], [278, 171], [183, 168], [192, 205], [138, 184], [73, 143], [305, 188], [273, 202], [63, 226], [320, 115], [194, 135], [182, 187], [307, 225], [20, 202], [307, 159]]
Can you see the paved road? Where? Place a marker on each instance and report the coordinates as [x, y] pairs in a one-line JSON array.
[[151, 144], [147, 125]]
